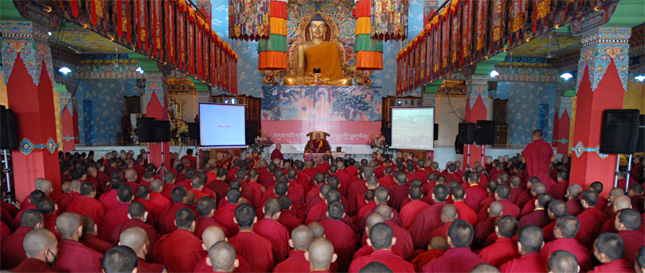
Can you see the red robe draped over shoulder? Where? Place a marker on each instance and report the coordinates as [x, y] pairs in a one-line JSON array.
[[255, 249]]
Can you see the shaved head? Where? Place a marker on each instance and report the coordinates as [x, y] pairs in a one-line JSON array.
[[562, 261], [615, 192], [496, 209], [46, 186], [384, 210], [222, 257], [135, 238], [622, 202], [438, 242], [484, 268], [375, 267], [212, 235], [37, 240], [320, 253], [317, 229], [67, 224], [130, 174], [374, 219], [448, 213], [76, 186], [301, 237]]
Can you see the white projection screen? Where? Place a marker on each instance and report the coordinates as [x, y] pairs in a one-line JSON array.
[[413, 128], [222, 125]]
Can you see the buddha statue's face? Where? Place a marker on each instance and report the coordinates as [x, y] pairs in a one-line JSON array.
[[317, 29]]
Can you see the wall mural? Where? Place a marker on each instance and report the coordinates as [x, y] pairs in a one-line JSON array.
[[107, 107], [528, 111]]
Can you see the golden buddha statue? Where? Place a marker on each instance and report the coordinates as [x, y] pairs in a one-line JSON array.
[[318, 62]]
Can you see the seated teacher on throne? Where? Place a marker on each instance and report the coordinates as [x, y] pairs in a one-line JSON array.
[[317, 145]]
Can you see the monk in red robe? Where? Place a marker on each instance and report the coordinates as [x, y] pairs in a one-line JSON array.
[[404, 245], [90, 236], [563, 261], [277, 153], [41, 248], [320, 255], [205, 211], [400, 191], [518, 195], [556, 209], [301, 238], [529, 242], [565, 231], [475, 194], [573, 204], [504, 248], [86, 204], [70, 250], [273, 231], [138, 216], [260, 256], [180, 250], [465, 212], [109, 199], [559, 189], [137, 239], [487, 227], [429, 218], [340, 234], [436, 248], [608, 249], [537, 188], [387, 180], [225, 214], [539, 216], [35, 196], [169, 184], [381, 239], [13, 252], [166, 219], [156, 198], [538, 156], [501, 195], [287, 218], [410, 210], [591, 219], [628, 221], [210, 237], [119, 214], [459, 257]]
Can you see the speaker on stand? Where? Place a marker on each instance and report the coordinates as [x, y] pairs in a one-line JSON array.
[[193, 134], [466, 136], [619, 135], [485, 135], [8, 139]]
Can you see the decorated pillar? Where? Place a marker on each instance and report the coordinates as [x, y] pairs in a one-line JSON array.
[[602, 81], [476, 109], [28, 75], [561, 134], [155, 102], [67, 121]]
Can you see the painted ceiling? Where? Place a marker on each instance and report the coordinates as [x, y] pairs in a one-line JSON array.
[[555, 43], [84, 41]]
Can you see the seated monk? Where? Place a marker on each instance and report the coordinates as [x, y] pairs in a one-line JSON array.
[[318, 54], [317, 145]]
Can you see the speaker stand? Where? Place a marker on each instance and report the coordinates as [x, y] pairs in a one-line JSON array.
[[162, 167], [7, 171], [483, 163], [629, 170], [616, 172], [468, 157]]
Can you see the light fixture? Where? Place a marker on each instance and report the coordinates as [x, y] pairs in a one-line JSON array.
[[494, 74], [566, 76], [64, 70], [139, 69], [640, 78], [49, 33], [399, 102], [233, 101]]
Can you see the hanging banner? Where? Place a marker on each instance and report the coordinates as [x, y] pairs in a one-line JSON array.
[[190, 41], [415, 63], [213, 62], [142, 26], [436, 51], [198, 47], [182, 20], [445, 52], [455, 35], [389, 20], [248, 20], [498, 26], [517, 20], [399, 68], [206, 38], [481, 29], [428, 41], [466, 31], [171, 23], [422, 58], [541, 16]]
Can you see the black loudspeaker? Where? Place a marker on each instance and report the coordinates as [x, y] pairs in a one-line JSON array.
[[8, 129], [162, 131], [467, 132], [387, 133], [485, 133], [145, 129], [435, 134], [640, 145], [619, 131], [193, 130]]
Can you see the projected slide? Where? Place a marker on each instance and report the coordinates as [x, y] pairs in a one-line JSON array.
[[412, 128], [221, 125]]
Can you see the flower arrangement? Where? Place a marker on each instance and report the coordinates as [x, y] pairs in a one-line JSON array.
[[261, 142], [378, 144]]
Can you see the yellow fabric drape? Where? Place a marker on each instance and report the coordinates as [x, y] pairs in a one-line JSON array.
[[363, 25], [278, 26]]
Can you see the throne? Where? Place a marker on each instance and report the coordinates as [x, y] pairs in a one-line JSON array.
[[314, 146]]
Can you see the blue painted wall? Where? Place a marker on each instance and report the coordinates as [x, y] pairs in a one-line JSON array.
[[107, 103], [531, 105]]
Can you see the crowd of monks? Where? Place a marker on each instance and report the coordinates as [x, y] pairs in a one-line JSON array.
[[120, 214]]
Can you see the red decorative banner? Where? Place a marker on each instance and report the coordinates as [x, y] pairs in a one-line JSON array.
[[481, 29], [171, 22], [436, 51], [541, 12], [198, 48], [142, 24], [190, 41], [213, 62], [498, 26], [455, 35], [466, 31], [341, 132], [428, 46], [182, 20], [445, 25], [422, 58], [518, 16]]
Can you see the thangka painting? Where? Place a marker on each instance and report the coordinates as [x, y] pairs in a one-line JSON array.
[[322, 103]]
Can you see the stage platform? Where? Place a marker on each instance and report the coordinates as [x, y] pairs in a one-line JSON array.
[[442, 154]]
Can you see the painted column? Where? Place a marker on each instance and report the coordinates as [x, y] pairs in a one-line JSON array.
[[28, 75], [155, 102], [602, 81], [476, 109], [561, 136], [67, 122]]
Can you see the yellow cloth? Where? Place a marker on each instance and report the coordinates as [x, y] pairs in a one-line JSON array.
[[278, 26], [325, 56]]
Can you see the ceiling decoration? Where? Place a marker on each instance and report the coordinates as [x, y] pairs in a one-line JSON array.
[[554, 43]]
